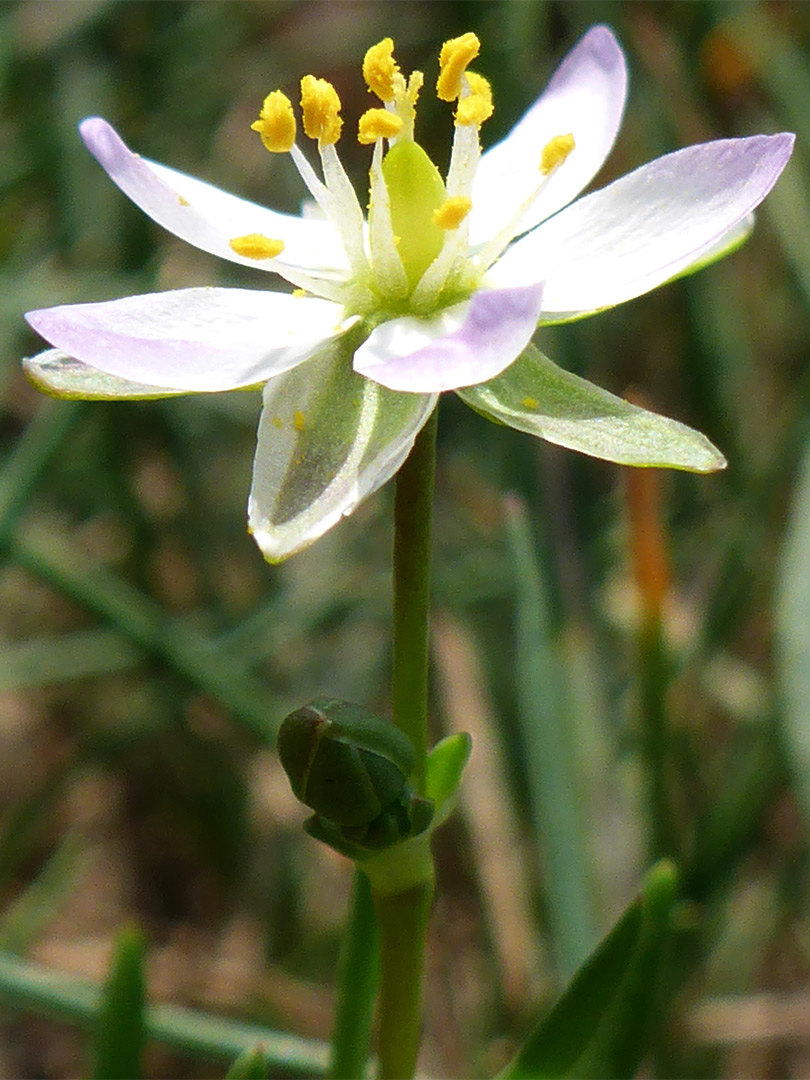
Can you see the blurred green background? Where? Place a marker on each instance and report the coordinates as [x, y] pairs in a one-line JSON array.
[[148, 654]]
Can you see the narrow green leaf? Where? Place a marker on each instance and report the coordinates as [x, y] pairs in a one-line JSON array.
[[120, 1031], [552, 770], [599, 1026], [358, 978], [250, 1065], [195, 656], [34, 988], [23, 919], [77, 655], [792, 615], [536, 396]]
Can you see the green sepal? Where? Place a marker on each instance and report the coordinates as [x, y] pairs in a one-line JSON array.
[[120, 1029], [536, 396], [328, 437], [62, 376], [599, 1026]]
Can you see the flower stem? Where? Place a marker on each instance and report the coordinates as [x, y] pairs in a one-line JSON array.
[[402, 922], [413, 507], [403, 908]]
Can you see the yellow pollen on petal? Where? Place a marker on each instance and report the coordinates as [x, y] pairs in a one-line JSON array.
[[530, 403], [299, 420], [256, 246], [299, 292], [379, 69], [456, 54], [378, 124], [182, 201], [278, 422], [320, 105], [555, 152], [452, 212], [276, 123]]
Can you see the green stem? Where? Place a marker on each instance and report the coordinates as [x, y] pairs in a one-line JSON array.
[[357, 986], [403, 892], [413, 507], [402, 921]]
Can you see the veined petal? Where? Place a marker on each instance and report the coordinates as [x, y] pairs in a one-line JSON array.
[[536, 396], [192, 339], [463, 345], [62, 376], [585, 97], [647, 227], [210, 218], [327, 439]]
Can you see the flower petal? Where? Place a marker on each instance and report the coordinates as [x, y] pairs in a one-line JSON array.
[[209, 218], [585, 97], [536, 396], [62, 376], [463, 345], [327, 439], [192, 339], [647, 227]]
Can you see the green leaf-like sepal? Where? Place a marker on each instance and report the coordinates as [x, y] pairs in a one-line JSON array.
[[327, 439], [537, 396], [62, 376]]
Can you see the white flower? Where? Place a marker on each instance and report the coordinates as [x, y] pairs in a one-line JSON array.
[[440, 288]]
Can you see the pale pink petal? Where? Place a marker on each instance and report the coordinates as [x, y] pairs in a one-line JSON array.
[[209, 218], [192, 339], [585, 98], [647, 227], [462, 346]]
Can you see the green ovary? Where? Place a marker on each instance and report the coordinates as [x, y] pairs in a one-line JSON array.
[[416, 190]]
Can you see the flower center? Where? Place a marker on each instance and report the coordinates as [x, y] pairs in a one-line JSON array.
[[411, 253]]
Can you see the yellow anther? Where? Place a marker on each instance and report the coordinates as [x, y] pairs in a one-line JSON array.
[[256, 246], [299, 420], [477, 106], [555, 152], [299, 292], [379, 69], [456, 54], [320, 105], [276, 123], [452, 212], [378, 124]]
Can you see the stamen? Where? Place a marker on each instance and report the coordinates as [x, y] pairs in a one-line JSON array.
[[320, 105], [378, 124], [379, 69], [555, 152], [476, 106], [456, 54], [256, 246], [276, 123], [452, 212]]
